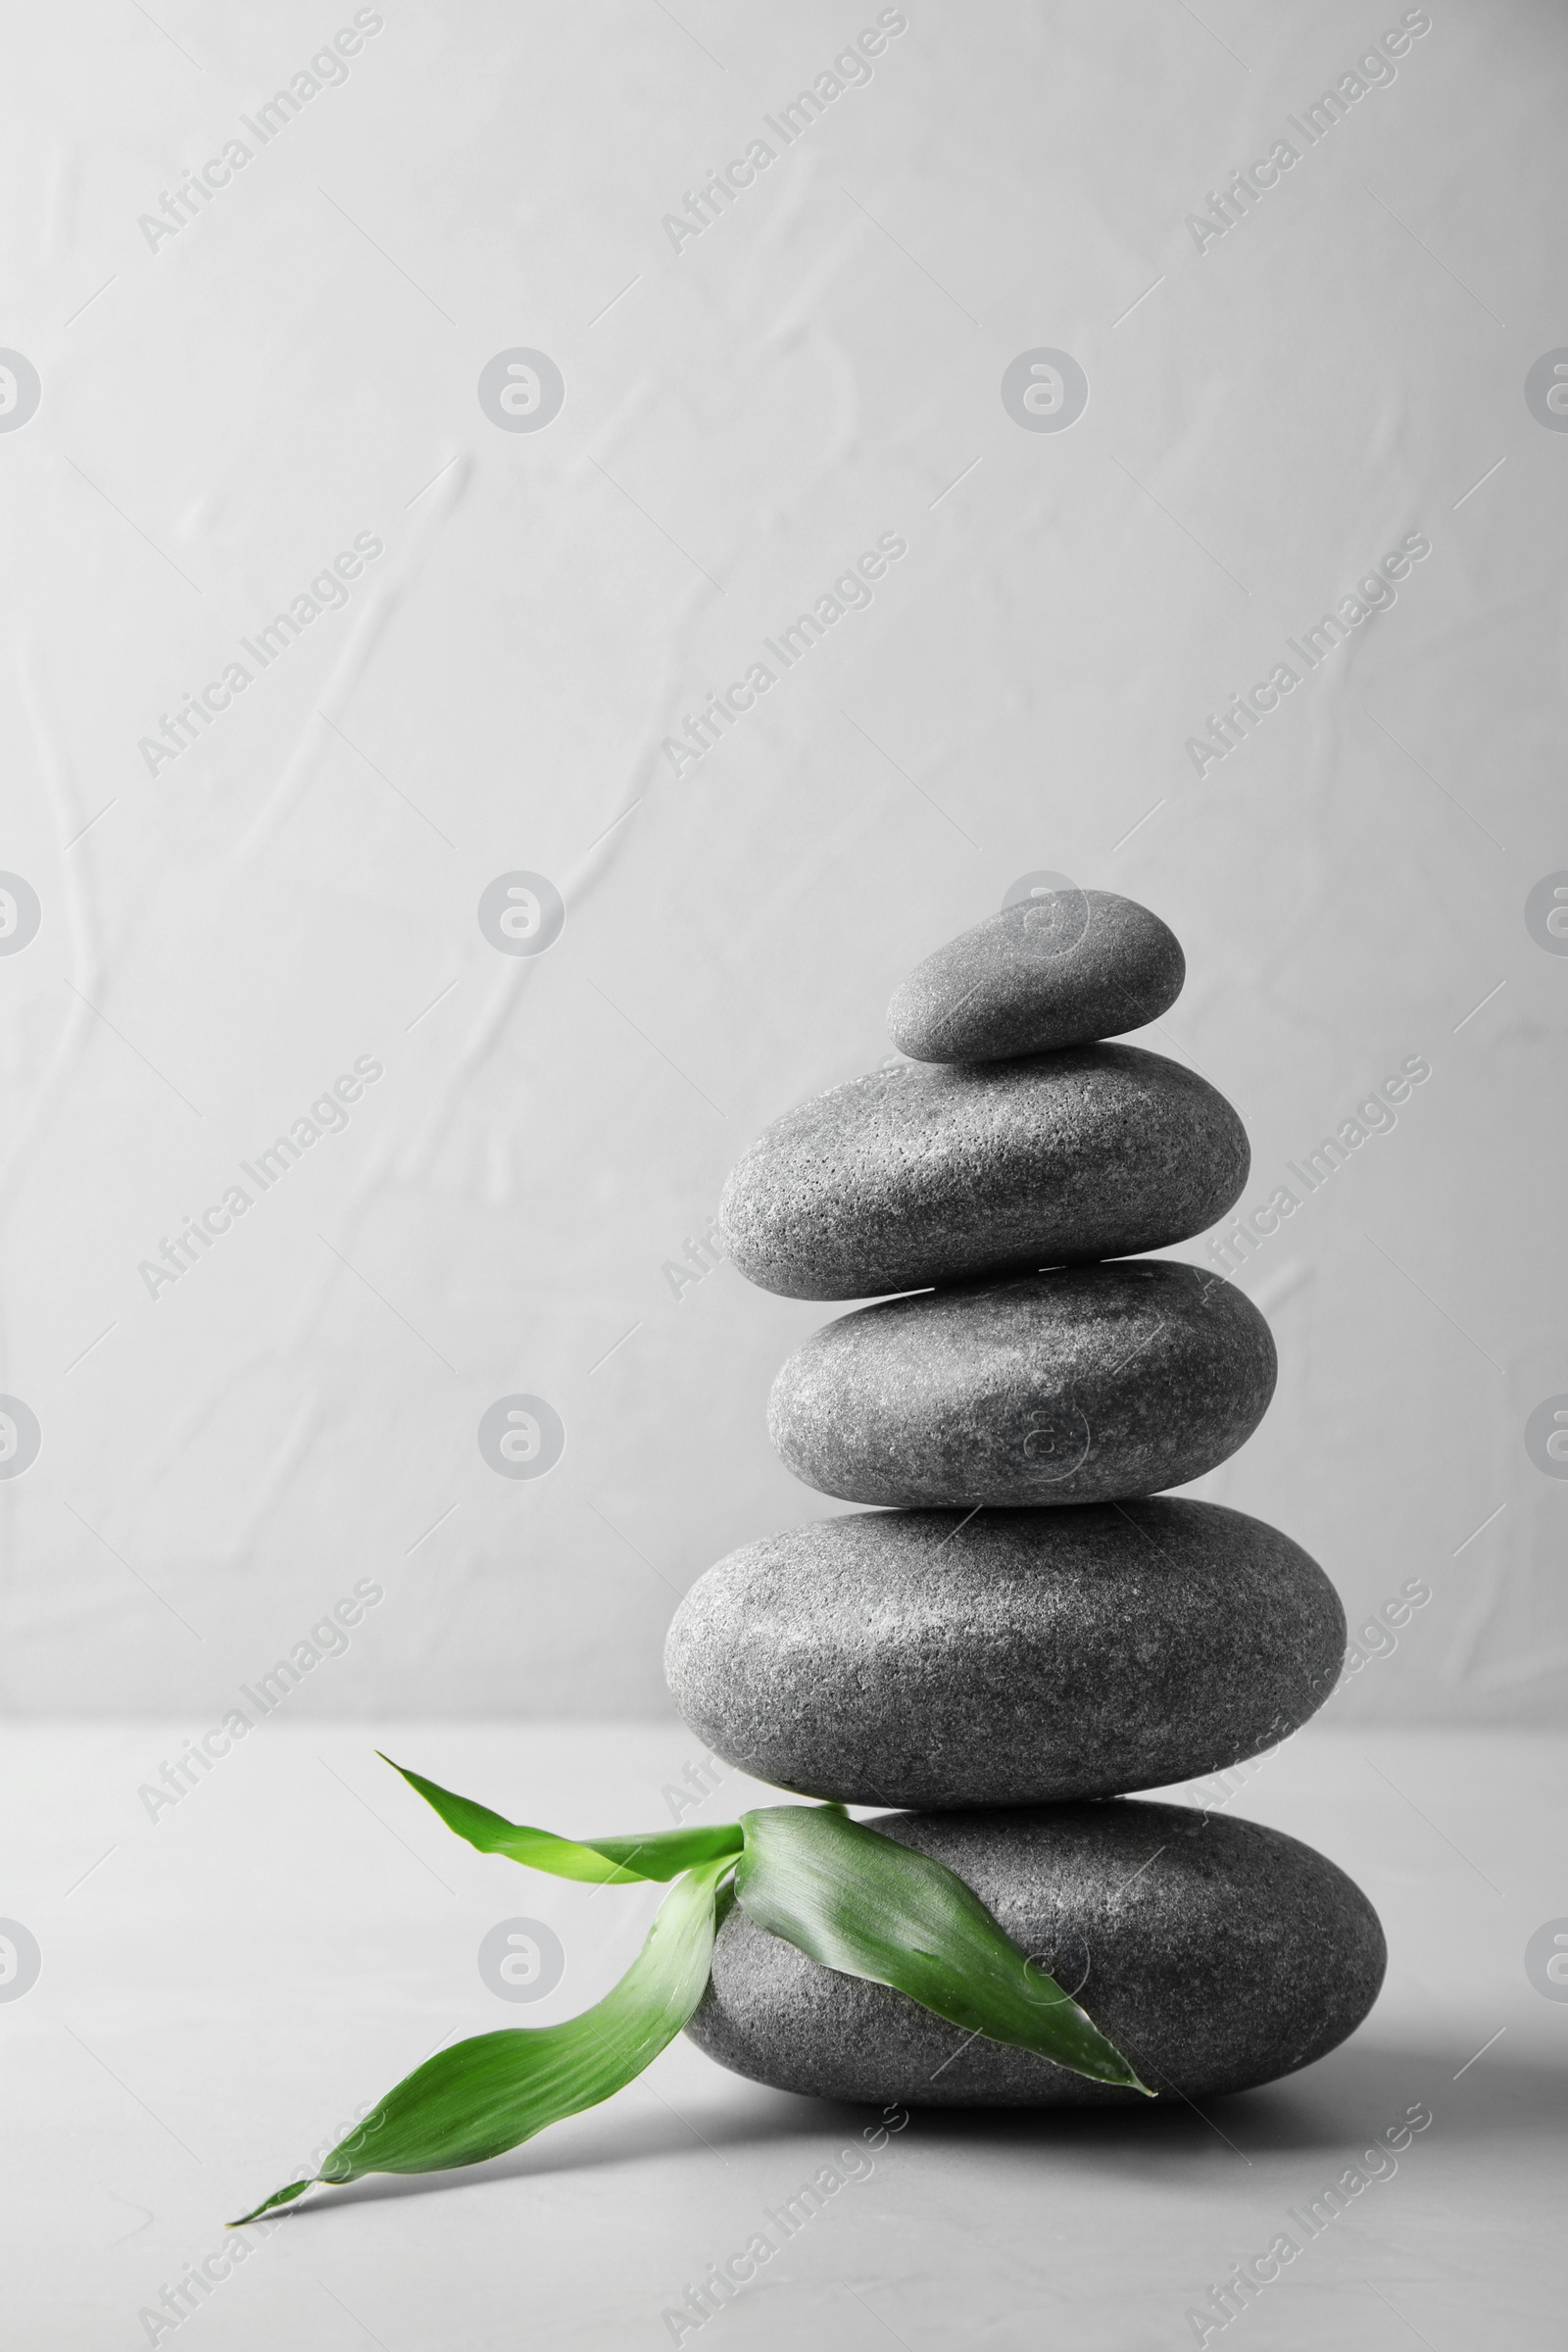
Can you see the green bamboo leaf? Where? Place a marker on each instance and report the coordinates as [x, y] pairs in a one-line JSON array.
[[489, 2094], [870, 1907], [661, 1854]]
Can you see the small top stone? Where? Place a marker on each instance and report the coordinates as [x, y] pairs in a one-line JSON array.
[[1064, 969]]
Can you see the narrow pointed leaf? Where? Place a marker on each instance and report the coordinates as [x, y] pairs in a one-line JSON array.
[[489, 2094], [870, 1907], [659, 1854]]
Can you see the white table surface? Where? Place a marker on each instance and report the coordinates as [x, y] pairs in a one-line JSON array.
[[228, 1984]]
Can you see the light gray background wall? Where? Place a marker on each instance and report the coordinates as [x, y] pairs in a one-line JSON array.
[[222, 412]]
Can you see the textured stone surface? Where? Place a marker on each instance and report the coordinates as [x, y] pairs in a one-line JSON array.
[[1049, 972], [1060, 1387], [931, 1172], [1216, 1953], [938, 1658]]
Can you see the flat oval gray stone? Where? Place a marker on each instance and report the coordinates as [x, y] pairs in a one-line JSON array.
[[1013, 1657], [1070, 1387], [932, 1172], [1216, 1954], [1059, 970]]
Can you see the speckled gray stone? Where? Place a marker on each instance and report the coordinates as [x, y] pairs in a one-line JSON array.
[[1047, 972], [930, 1172], [1069, 1386], [1216, 1954], [1013, 1657]]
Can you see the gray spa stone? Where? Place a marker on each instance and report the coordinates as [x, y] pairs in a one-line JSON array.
[[1011, 1658], [1061, 970], [931, 1172], [1079, 1384], [1216, 1954]]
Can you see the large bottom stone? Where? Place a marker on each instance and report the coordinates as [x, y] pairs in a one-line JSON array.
[[1216, 1953]]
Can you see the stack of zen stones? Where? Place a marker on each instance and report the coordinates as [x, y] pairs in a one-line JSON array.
[[1028, 1626]]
